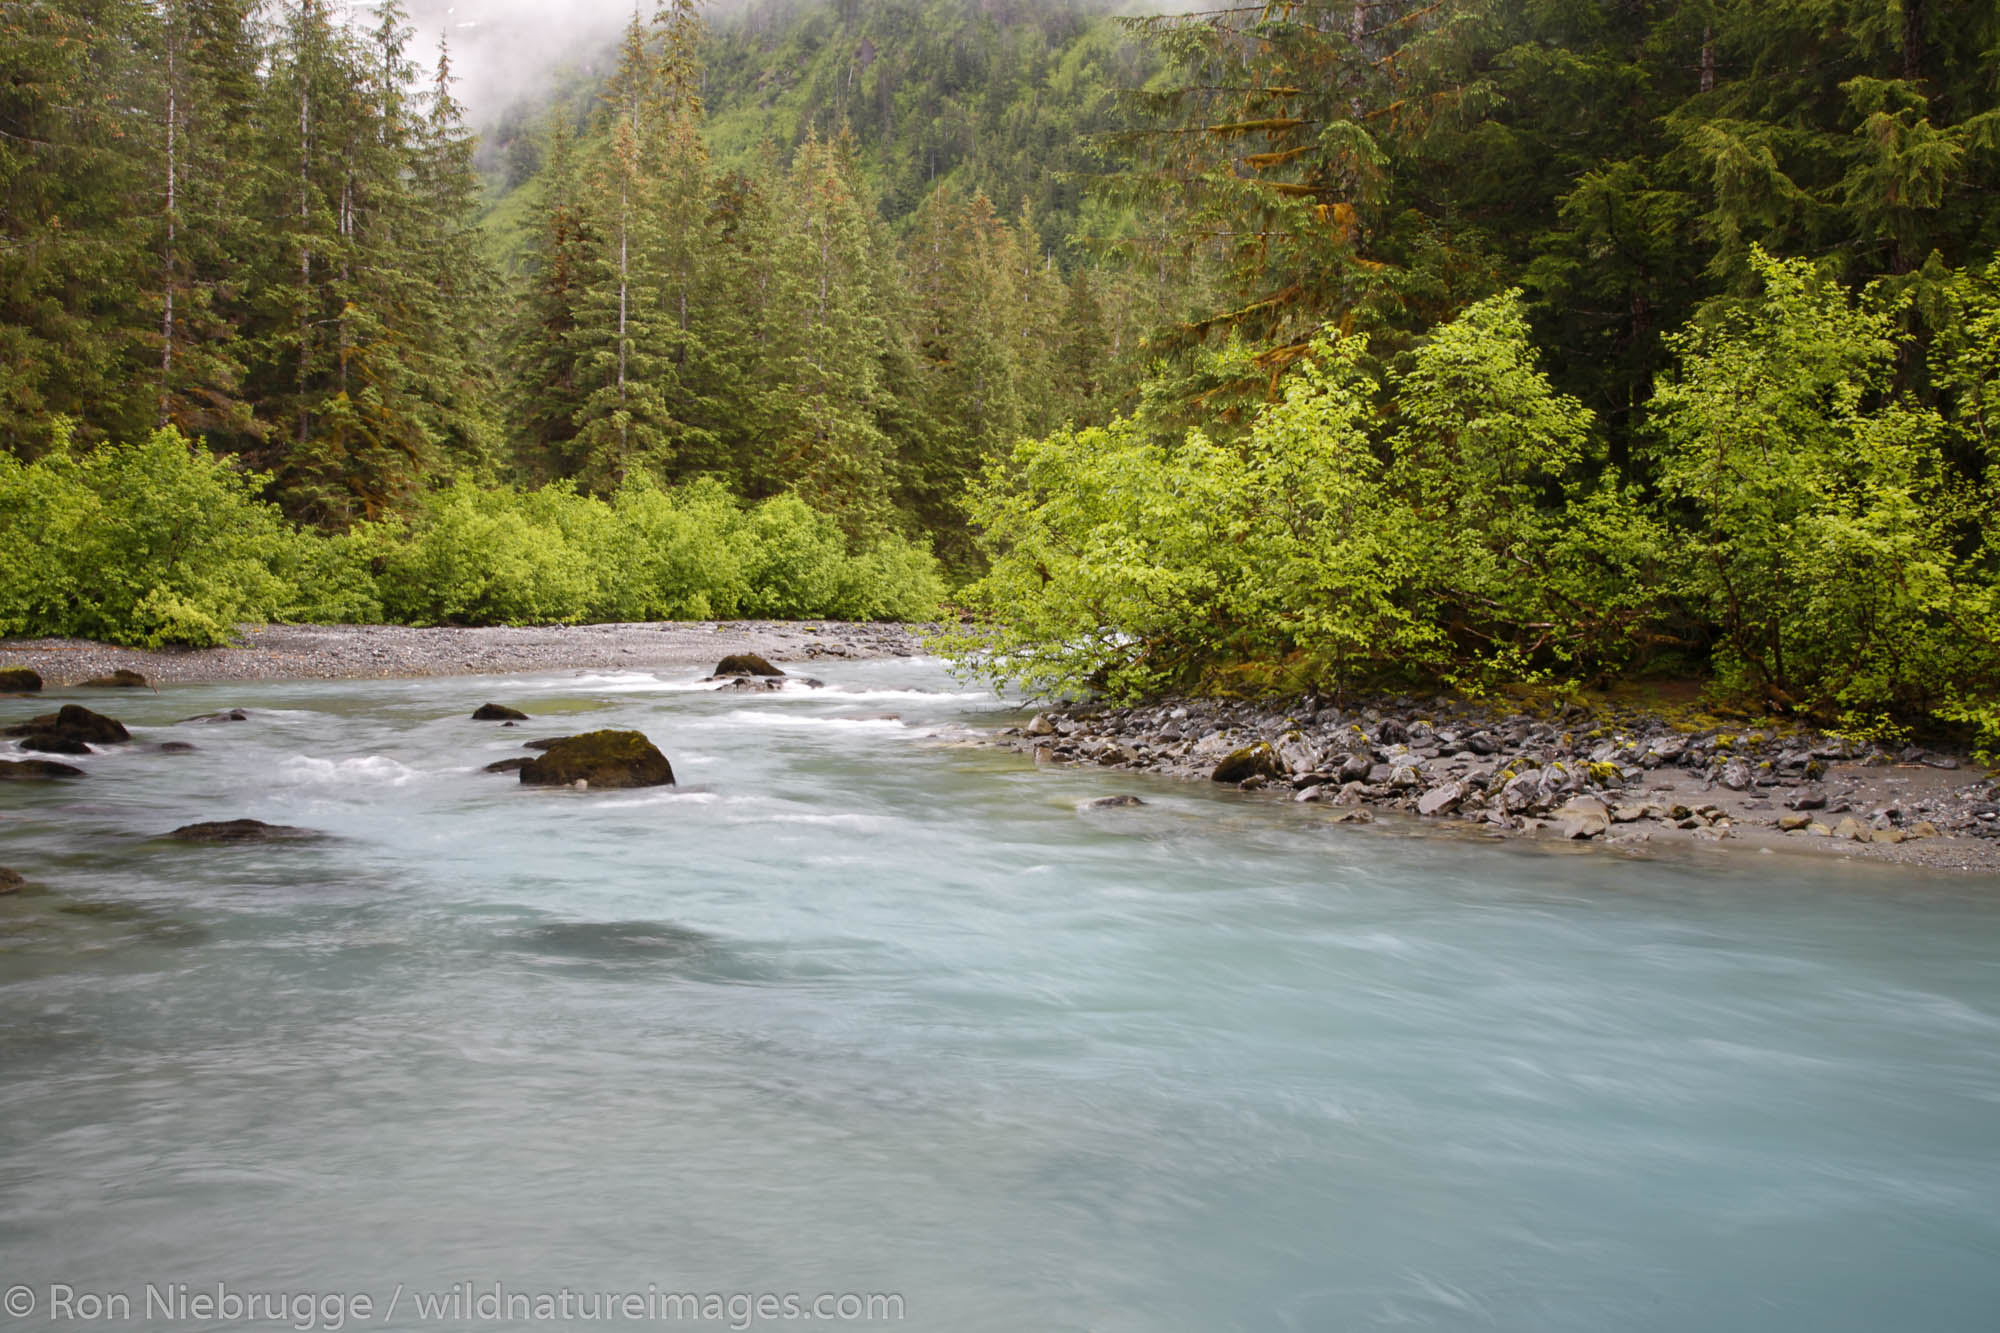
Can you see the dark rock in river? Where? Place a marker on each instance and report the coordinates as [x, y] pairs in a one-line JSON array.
[[498, 713], [546, 742], [605, 759], [74, 722], [241, 830], [20, 680], [229, 715], [49, 742], [121, 679], [11, 881], [1252, 761], [745, 664], [507, 765], [1109, 803], [35, 770], [176, 747]]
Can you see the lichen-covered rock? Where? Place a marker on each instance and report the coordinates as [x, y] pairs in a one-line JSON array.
[[745, 664], [242, 830], [1582, 818], [1523, 792], [1252, 761], [35, 770], [20, 680], [1298, 754], [604, 759], [121, 679], [498, 713], [1441, 800]]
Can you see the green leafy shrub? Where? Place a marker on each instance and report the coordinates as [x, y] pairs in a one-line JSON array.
[[486, 557], [150, 543], [1819, 524]]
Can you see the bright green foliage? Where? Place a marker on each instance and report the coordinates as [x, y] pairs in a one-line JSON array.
[[1487, 455], [1460, 524], [150, 543], [1821, 523], [554, 556], [1130, 564], [475, 557]]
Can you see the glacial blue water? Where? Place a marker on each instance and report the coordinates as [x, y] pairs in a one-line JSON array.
[[860, 1010]]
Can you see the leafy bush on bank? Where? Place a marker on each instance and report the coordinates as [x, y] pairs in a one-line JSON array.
[[161, 542], [1805, 530]]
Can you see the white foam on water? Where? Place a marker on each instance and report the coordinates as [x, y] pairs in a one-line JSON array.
[[370, 770], [941, 696], [666, 797], [809, 722]]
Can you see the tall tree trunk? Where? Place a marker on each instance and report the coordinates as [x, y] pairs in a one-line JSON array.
[[170, 259], [305, 254], [1913, 40]]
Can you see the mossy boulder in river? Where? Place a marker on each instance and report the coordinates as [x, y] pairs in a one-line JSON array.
[[1252, 761], [20, 680], [600, 759], [498, 713], [745, 664]]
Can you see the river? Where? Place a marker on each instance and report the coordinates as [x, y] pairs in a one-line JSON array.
[[858, 1010]]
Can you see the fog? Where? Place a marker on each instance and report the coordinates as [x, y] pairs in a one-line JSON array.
[[503, 49]]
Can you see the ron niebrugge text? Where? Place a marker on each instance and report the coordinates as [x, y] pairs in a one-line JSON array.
[[160, 1303]]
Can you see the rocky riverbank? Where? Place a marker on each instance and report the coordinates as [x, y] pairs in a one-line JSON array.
[[309, 652], [1627, 779]]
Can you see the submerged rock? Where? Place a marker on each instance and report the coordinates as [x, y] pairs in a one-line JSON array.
[[11, 881], [121, 679], [1109, 803], [49, 742], [20, 680], [176, 747], [507, 765], [35, 770], [745, 664], [498, 713], [242, 830], [609, 759], [546, 742], [227, 715]]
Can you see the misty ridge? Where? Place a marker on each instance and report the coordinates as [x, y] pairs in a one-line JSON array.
[[509, 51]]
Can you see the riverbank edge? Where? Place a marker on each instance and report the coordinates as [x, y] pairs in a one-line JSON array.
[[1629, 780], [368, 652]]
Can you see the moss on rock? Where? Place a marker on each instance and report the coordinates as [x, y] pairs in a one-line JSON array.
[[608, 759]]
